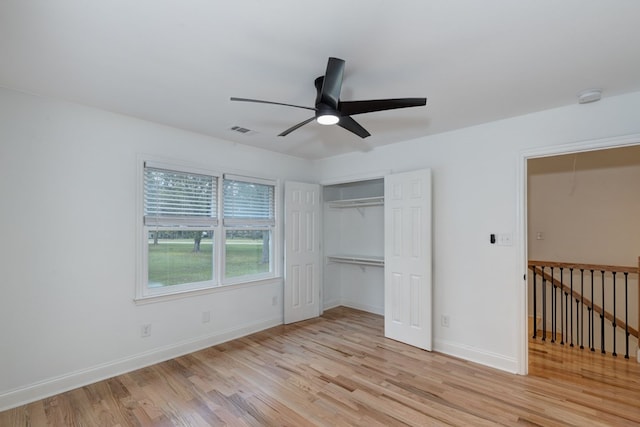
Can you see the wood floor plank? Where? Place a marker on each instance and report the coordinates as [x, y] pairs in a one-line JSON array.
[[339, 370]]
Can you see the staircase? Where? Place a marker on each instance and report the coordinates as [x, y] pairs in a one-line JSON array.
[[590, 306]]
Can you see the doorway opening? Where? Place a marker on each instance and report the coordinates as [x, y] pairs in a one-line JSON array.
[[565, 191]]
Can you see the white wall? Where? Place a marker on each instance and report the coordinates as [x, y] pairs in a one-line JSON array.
[[476, 192], [68, 252]]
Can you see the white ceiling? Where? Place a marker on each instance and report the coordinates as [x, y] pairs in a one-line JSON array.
[[177, 62]]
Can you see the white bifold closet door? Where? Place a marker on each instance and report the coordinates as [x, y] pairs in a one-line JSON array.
[[302, 251], [407, 258]]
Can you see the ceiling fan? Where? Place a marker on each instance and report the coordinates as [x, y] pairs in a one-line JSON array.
[[330, 110]]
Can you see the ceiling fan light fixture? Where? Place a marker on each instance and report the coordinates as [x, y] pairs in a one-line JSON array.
[[328, 119]]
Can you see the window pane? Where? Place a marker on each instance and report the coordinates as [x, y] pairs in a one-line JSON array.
[[170, 194], [247, 252], [248, 203], [179, 256]]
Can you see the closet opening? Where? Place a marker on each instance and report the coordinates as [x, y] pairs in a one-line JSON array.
[[353, 236]]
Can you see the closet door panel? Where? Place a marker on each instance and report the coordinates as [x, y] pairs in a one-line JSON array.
[[408, 286], [302, 251]]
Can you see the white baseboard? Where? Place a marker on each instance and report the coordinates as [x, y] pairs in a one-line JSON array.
[[328, 305], [364, 307], [352, 304], [476, 355], [70, 381]]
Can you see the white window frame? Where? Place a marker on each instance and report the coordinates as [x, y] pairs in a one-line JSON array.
[[145, 294]]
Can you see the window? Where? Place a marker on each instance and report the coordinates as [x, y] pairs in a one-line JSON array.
[[180, 221], [249, 220], [184, 245]]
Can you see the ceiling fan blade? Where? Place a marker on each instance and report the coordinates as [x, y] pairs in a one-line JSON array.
[[358, 107], [351, 125], [332, 83], [270, 102], [299, 125]]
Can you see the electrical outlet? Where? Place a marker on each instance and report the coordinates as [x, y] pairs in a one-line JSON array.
[[274, 300], [145, 330], [444, 320], [206, 316]]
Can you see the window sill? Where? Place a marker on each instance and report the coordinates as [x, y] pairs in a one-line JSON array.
[[151, 299]]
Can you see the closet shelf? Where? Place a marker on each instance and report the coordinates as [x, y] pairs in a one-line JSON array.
[[375, 261], [357, 203]]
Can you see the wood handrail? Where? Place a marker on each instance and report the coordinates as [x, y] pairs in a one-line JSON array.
[[535, 267], [594, 267]]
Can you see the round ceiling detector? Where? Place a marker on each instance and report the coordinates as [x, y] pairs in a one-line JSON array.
[[589, 95]]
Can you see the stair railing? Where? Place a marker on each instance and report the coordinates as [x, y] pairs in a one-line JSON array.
[[590, 278]]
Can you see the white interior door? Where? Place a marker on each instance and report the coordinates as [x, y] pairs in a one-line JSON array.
[[302, 256], [407, 258]]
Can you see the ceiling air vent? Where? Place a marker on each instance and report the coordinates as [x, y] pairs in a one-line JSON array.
[[241, 130]]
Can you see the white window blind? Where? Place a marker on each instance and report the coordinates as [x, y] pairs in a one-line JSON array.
[[248, 201], [179, 198]]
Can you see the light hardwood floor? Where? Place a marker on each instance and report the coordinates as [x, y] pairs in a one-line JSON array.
[[339, 370]]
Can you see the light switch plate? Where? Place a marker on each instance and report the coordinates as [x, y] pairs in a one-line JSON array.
[[505, 239]]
